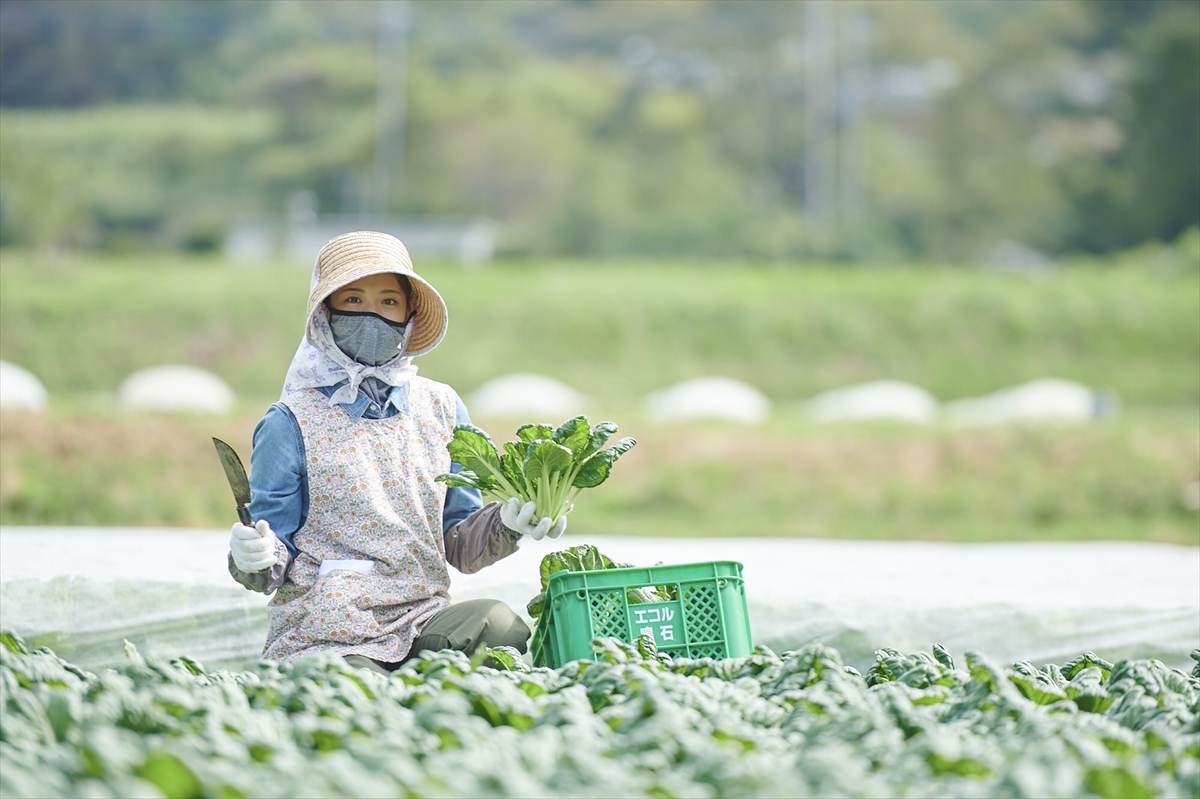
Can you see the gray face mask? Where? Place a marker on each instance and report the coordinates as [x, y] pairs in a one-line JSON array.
[[369, 338]]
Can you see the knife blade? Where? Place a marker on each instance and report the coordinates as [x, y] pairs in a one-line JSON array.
[[235, 473]]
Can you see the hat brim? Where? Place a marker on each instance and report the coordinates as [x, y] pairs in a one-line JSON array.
[[431, 320]]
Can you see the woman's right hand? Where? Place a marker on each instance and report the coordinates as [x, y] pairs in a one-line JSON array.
[[253, 548]]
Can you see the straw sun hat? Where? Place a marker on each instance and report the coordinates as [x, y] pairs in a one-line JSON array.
[[350, 256]]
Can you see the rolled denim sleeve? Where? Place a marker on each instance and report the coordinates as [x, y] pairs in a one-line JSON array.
[[460, 502], [278, 477]]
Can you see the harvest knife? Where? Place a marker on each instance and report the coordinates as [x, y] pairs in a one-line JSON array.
[[235, 473]]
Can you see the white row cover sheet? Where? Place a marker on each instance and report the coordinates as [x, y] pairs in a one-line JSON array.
[[83, 591]]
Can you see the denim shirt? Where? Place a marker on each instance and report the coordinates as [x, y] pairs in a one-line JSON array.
[[279, 471]]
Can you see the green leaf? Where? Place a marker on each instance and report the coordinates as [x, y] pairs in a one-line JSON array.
[[1086, 689], [517, 449], [592, 559], [468, 479], [639, 596], [584, 557], [536, 605], [596, 469], [532, 689], [505, 658], [64, 711], [551, 563], [1054, 675], [529, 433], [13, 643], [546, 457], [965, 766], [934, 695], [512, 466], [1116, 783], [192, 666], [646, 647], [575, 435], [1093, 701], [1039, 691], [598, 436], [171, 776], [472, 449], [1085, 661]]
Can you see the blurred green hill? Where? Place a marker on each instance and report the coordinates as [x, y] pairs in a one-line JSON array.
[[603, 129]]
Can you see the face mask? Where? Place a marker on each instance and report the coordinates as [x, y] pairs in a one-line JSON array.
[[369, 338]]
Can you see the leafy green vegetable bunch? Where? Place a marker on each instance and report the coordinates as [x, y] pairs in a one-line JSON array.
[[588, 558], [545, 466]]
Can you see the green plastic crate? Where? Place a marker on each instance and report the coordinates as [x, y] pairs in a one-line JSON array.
[[707, 617]]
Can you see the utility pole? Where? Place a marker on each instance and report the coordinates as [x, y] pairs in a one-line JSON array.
[[391, 95], [820, 113]]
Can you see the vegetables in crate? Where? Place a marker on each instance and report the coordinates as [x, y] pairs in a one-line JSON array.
[[587, 558], [690, 610], [546, 466]]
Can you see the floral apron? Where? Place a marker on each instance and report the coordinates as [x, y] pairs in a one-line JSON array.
[[373, 507]]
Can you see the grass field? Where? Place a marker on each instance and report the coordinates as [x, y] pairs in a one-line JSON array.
[[616, 331], [1125, 479]]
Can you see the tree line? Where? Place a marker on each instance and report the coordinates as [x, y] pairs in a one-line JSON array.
[[608, 129]]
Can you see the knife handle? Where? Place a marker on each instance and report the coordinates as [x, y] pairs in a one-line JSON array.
[[244, 516]]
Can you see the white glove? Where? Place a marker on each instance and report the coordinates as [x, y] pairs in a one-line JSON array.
[[253, 548], [519, 518]]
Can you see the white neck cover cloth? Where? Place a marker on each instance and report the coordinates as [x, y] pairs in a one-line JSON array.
[[318, 362]]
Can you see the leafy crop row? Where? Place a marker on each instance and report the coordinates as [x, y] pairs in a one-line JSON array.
[[633, 723]]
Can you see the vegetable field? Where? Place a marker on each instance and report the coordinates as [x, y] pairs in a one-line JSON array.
[[633, 723]]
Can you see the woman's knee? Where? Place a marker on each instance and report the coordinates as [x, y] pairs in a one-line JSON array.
[[506, 627], [477, 622]]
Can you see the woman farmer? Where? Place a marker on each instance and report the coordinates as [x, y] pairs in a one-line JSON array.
[[353, 534]]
